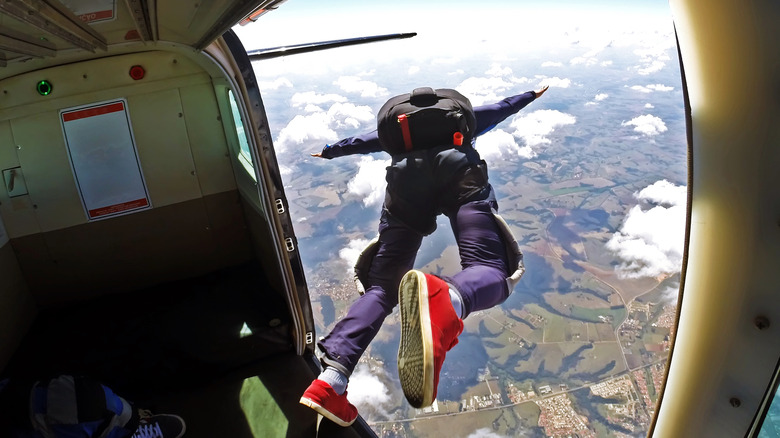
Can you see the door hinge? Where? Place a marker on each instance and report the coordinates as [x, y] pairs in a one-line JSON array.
[[290, 245], [279, 206]]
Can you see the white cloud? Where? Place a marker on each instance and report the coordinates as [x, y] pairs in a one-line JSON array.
[[555, 82], [534, 127], [349, 115], [651, 87], [660, 87], [653, 58], [482, 85], [500, 144], [485, 90], [581, 60], [352, 251], [641, 89], [320, 126], [485, 433], [647, 125], [367, 392], [596, 42], [497, 70], [650, 240], [656, 50], [597, 98], [670, 294], [354, 84], [369, 182], [651, 68], [413, 70], [552, 64], [313, 98], [649, 106], [663, 192], [312, 108], [312, 127], [275, 84]]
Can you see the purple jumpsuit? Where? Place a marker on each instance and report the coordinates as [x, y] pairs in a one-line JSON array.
[[422, 184]]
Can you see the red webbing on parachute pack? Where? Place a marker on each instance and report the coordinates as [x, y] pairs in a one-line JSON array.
[[404, 122]]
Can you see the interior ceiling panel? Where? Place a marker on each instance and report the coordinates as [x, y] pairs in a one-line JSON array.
[[49, 32]]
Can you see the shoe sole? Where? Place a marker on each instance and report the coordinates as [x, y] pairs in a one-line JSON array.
[[415, 352], [325, 413]]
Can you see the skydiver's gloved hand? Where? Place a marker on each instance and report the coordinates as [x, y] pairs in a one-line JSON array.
[[541, 91], [317, 154]]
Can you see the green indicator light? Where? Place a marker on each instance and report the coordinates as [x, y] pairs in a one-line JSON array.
[[44, 88]]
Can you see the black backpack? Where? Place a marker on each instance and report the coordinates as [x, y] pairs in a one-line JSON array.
[[425, 118]]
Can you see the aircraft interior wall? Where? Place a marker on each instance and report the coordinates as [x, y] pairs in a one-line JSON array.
[[195, 223]]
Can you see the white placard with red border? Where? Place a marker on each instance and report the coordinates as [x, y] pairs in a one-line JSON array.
[[104, 159], [92, 11]]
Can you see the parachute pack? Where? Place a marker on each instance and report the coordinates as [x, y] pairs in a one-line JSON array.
[[425, 118]]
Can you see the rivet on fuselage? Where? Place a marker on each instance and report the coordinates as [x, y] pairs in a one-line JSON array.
[[761, 322]]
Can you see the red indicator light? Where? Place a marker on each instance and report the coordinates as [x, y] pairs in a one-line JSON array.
[[137, 72]]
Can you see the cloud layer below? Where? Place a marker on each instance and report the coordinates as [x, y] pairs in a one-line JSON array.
[[369, 182], [535, 127], [650, 241], [368, 393], [648, 125]]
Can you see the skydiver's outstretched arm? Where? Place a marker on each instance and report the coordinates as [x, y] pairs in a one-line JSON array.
[[488, 116], [359, 144]]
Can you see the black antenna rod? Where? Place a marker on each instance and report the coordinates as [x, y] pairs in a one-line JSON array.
[[275, 52]]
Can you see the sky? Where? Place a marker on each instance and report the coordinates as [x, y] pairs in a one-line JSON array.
[[649, 240], [300, 21], [538, 24]]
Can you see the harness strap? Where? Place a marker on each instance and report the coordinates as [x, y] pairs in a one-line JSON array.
[[404, 122]]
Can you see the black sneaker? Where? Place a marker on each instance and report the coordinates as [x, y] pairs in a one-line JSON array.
[[160, 426]]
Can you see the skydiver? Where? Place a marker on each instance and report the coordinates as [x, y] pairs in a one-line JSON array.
[[421, 184]]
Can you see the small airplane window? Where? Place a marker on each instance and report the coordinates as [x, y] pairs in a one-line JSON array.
[[239, 124], [770, 426]]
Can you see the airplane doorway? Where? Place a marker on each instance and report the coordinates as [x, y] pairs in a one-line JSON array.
[[592, 181]]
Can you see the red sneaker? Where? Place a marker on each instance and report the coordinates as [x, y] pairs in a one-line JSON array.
[[429, 329], [323, 399]]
